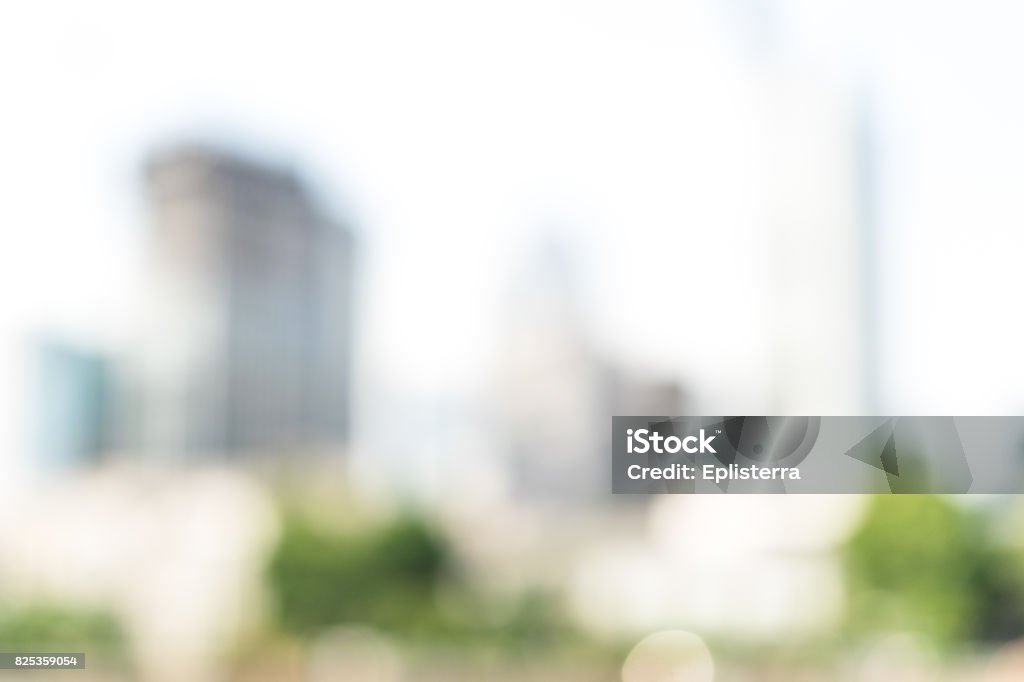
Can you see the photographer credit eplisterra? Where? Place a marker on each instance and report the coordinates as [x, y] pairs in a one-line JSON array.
[[643, 441]]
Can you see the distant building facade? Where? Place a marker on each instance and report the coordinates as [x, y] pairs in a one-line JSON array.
[[555, 393], [247, 333], [71, 389]]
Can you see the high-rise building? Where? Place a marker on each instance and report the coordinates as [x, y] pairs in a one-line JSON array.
[[247, 329], [555, 393]]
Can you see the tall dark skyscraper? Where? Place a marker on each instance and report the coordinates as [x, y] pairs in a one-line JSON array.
[[248, 311]]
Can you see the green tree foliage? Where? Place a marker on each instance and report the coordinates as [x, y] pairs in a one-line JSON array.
[[923, 564], [384, 577], [59, 628]]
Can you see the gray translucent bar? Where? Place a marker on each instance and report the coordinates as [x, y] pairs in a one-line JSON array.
[[836, 454], [42, 661]]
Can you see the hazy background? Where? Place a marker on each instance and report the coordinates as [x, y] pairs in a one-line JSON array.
[[551, 212]]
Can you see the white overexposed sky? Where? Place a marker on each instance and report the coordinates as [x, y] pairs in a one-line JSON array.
[[454, 133]]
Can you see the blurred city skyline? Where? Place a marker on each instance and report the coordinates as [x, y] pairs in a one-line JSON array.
[[643, 145], [441, 245]]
